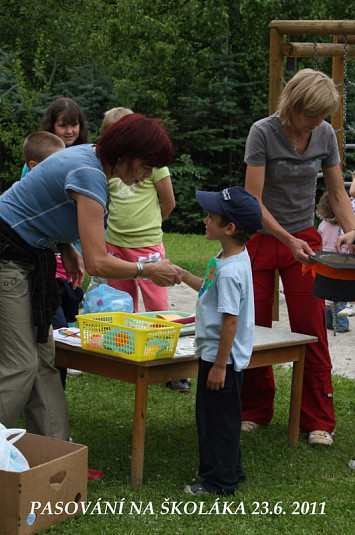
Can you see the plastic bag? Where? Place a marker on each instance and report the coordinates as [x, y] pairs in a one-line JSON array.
[[11, 459], [95, 282], [104, 298]]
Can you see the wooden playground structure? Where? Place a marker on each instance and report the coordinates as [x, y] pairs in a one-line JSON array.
[[340, 49]]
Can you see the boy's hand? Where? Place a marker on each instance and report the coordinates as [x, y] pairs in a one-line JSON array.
[[179, 270], [216, 377], [162, 273], [189, 278]]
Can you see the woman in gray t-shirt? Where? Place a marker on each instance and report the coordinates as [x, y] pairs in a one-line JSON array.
[[284, 154]]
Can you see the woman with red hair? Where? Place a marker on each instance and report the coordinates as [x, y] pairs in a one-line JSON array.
[[59, 201]]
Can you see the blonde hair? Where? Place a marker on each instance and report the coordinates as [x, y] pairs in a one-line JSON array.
[[39, 145], [112, 116], [309, 92], [324, 209]]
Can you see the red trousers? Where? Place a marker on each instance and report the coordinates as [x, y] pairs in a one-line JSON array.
[[306, 316]]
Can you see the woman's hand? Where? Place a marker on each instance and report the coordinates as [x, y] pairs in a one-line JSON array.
[[301, 251], [347, 240], [162, 273], [73, 263]]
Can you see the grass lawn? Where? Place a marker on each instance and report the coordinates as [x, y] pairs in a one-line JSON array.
[[314, 486], [288, 491], [190, 251]]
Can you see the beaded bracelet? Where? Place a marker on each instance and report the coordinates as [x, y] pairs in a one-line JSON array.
[[139, 274]]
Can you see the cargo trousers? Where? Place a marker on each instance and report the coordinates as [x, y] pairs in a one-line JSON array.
[[29, 382]]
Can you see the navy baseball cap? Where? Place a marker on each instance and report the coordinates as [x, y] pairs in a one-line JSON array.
[[238, 205]]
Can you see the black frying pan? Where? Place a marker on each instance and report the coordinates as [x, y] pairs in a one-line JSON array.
[[334, 289], [335, 260]]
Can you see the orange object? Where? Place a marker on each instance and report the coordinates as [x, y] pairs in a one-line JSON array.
[[328, 271], [211, 273], [122, 339], [168, 317]]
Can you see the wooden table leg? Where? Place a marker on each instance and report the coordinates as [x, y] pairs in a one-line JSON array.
[[295, 399], [139, 423]]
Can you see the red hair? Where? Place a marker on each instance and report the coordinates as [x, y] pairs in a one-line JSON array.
[[135, 136]]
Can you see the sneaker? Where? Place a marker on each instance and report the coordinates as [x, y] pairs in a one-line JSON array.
[[320, 437], [180, 385], [347, 311], [196, 489], [71, 371], [247, 425], [94, 475]]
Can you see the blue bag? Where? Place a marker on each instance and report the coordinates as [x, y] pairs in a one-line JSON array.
[[104, 298]]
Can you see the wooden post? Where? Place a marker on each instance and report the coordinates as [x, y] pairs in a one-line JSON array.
[[276, 72], [276, 69], [338, 116], [314, 27], [324, 50]]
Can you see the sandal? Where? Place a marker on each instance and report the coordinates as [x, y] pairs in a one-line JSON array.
[[247, 425]]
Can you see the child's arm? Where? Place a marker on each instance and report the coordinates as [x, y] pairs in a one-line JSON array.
[[166, 196], [348, 241], [217, 374], [352, 187], [190, 279]]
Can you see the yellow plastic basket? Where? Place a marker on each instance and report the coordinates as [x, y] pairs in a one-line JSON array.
[[128, 336]]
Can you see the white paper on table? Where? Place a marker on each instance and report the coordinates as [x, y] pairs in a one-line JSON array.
[[185, 346], [68, 335]]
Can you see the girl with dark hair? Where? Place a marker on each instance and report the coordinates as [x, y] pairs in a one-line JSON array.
[[65, 118]]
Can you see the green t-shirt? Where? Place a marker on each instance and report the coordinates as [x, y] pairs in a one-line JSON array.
[[134, 212]]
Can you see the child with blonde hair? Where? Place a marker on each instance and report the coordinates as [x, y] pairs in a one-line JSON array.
[[134, 230]]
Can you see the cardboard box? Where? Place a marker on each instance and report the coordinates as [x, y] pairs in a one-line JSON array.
[[56, 481]]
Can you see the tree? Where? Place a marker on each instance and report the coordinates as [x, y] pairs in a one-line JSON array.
[[201, 65]]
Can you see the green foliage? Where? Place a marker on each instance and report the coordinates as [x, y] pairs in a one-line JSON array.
[[90, 88], [17, 118], [214, 122], [23, 105], [186, 178], [201, 65]]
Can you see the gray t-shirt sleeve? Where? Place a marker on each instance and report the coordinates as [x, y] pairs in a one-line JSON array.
[[255, 148]]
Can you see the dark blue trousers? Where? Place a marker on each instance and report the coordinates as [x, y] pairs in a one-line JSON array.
[[219, 418]]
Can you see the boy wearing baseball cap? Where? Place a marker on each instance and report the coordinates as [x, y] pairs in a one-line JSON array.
[[224, 337]]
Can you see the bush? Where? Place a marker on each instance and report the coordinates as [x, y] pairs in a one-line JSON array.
[[186, 179]]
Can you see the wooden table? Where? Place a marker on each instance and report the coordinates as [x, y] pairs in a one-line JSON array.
[[271, 346]]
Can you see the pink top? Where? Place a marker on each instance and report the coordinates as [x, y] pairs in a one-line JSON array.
[[60, 268], [331, 231]]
